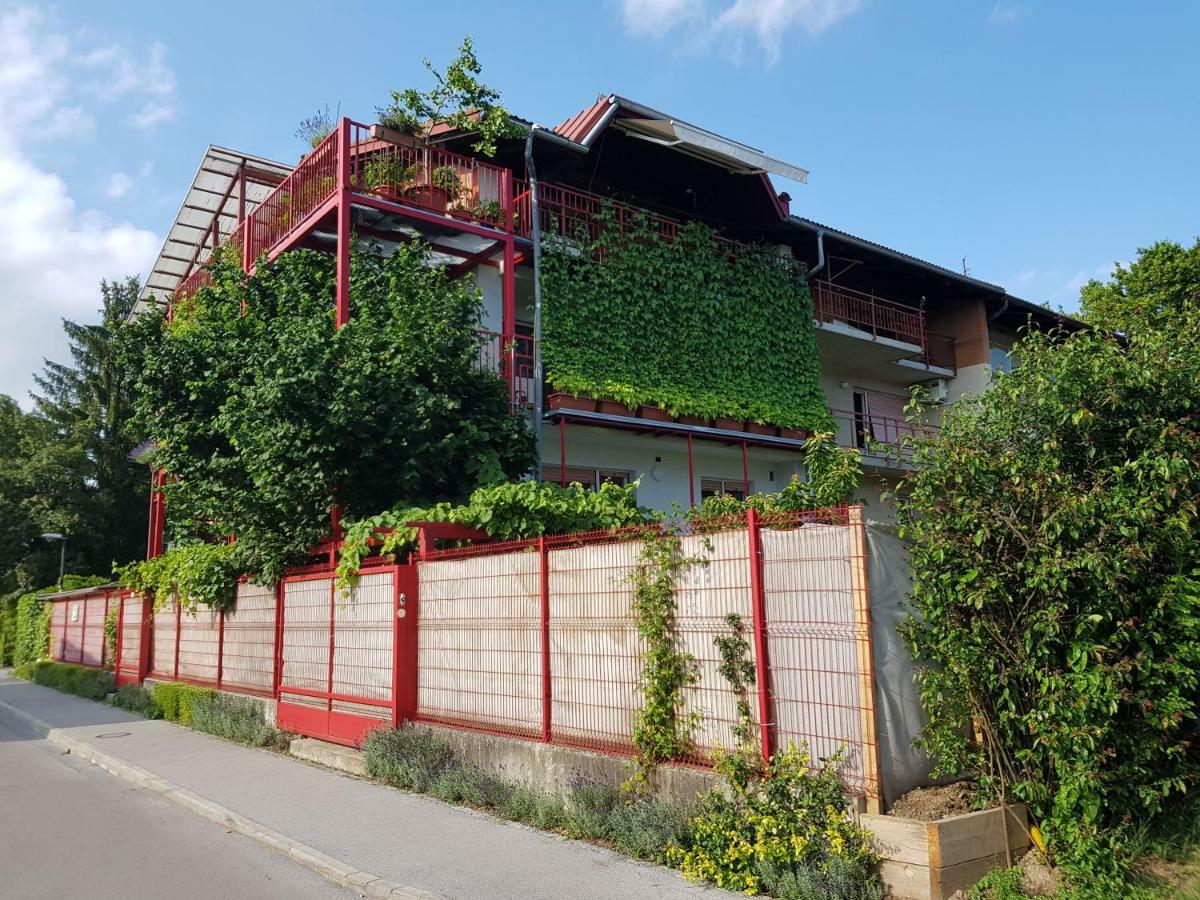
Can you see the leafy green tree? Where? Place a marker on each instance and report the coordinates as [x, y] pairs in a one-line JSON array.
[[457, 99], [1055, 547], [1161, 283], [265, 415]]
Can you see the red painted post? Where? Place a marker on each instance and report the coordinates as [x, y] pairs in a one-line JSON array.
[[220, 646], [509, 316], [759, 623], [277, 675], [178, 633], [83, 628], [547, 685], [691, 475], [152, 525], [332, 615], [120, 633], [396, 646], [144, 643]]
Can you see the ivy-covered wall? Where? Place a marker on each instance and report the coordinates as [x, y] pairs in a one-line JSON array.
[[685, 325]]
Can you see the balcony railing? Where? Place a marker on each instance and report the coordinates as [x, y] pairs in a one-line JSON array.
[[498, 356], [881, 318], [876, 435]]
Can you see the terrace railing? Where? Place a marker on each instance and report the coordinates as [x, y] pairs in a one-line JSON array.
[[882, 318], [885, 436], [499, 356]]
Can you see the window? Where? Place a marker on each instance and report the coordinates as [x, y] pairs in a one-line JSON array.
[[590, 478], [1001, 359], [734, 487]]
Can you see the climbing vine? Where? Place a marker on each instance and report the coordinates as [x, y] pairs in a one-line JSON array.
[[740, 324], [737, 668], [662, 728], [194, 573]]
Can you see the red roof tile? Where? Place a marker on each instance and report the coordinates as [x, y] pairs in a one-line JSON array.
[[579, 125]]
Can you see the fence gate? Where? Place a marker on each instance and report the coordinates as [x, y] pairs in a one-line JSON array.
[[340, 653]]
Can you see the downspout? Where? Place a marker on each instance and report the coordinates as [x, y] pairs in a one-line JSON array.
[[535, 234], [998, 313], [820, 254]]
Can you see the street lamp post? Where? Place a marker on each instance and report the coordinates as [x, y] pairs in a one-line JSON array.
[[62, 552]]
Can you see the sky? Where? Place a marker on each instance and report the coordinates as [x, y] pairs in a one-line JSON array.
[[1040, 141]]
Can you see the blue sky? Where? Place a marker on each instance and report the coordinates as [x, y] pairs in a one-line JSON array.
[[1042, 141]]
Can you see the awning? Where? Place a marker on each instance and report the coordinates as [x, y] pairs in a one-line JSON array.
[[737, 158]]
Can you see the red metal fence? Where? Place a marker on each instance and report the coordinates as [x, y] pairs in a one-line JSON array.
[[537, 639], [77, 628]]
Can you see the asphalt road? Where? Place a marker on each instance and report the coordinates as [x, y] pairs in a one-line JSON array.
[[69, 829]]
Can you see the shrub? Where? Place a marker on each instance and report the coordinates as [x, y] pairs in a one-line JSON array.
[[466, 784], [31, 629], [82, 681], [792, 818], [837, 879], [646, 828], [175, 700], [589, 808], [534, 808], [239, 719], [136, 699], [409, 758]]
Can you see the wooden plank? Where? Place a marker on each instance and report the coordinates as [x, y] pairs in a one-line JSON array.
[[899, 840], [960, 839], [906, 881], [861, 595], [963, 876]]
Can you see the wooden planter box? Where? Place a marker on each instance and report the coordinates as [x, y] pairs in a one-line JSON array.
[[692, 420], [654, 414], [615, 408], [566, 401], [931, 860], [795, 434], [727, 424], [755, 428]]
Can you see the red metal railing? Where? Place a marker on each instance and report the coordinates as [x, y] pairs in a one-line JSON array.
[[499, 356], [878, 435], [308, 186], [939, 350], [883, 318], [431, 178]]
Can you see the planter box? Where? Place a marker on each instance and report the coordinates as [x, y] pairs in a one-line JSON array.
[[755, 428], [795, 434], [931, 860], [380, 133], [727, 424], [566, 401], [654, 414], [615, 408], [692, 420]]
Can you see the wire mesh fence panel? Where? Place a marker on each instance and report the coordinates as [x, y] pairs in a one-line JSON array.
[[199, 643], [595, 649], [814, 641], [58, 630], [305, 651], [362, 642], [93, 630], [131, 634], [248, 650], [713, 586], [73, 631], [163, 635], [479, 642]]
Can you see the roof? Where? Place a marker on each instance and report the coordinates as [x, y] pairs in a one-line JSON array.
[[214, 191], [1009, 299], [650, 124]]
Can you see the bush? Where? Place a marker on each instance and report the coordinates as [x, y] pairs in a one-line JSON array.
[[543, 811], [837, 879], [136, 699], [468, 785], [646, 828], [175, 699], [239, 719], [1056, 587], [790, 818], [82, 681], [408, 758]]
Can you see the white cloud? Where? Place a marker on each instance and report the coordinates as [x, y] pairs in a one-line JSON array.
[[118, 185], [52, 253], [152, 114], [1006, 13], [762, 22]]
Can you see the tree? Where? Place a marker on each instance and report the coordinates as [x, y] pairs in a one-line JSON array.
[[457, 99], [266, 416], [83, 482], [1161, 283], [1055, 547]]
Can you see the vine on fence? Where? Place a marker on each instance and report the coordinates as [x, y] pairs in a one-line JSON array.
[[662, 728], [737, 668]]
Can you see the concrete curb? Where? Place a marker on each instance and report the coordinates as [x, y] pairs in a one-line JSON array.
[[323, 864]]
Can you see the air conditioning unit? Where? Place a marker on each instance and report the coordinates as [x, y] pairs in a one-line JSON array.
[[937, 390]]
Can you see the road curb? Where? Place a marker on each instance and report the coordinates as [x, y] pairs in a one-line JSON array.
[[323, 864]]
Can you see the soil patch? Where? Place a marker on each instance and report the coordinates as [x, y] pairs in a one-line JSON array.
[[928, 804]]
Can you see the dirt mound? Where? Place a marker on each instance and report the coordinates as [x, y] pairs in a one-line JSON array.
[[928, 804]]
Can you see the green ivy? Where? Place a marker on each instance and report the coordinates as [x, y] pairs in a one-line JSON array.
[[522, 509], [662, 728], [194, 573], [685, 325]]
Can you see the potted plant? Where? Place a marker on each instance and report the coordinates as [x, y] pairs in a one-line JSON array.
[[653, 413], [442, 189], [563, 400]]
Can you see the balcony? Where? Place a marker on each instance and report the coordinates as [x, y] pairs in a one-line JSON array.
[[884, 441], [875, 318], [501, 357]]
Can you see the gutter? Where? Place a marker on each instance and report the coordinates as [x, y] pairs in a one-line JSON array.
[[820, 255], [1001, 311]]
